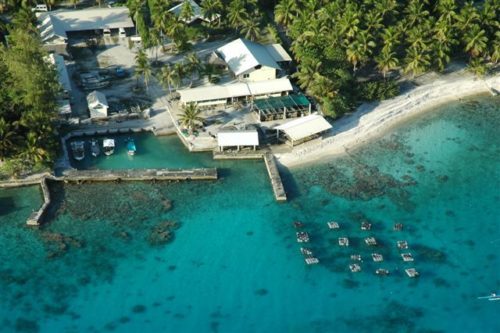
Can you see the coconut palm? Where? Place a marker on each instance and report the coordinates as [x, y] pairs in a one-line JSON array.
[[187, 11], [251, 28], [475, 40], [169, 77], [237, 14], [190, 116], [468, 16], [180, 70], [307, 73], [417, 61], [142, 68], [415, 13], [285, 11], [211, 10], [386, 61], [193, 65], [211, 72]]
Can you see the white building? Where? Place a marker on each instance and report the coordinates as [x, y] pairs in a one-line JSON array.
[[97, 104], [238, 139], [251, 62], [54, 26], [197, 13], [222, 95], [302, 129]]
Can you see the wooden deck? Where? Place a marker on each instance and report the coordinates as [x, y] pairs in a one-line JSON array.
[[274, 176]]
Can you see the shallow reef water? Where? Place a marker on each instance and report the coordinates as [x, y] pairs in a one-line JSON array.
[[222, 256]]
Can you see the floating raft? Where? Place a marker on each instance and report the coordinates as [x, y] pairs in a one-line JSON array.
[[302, 237], [377, 257], [355, 268], [344, 241], [365, 226], [407, 257], [371, 241], [412, 272], [382, 271], [402, 245], [333, 225]]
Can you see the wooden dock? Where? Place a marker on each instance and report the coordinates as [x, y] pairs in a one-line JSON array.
[[274, 176]]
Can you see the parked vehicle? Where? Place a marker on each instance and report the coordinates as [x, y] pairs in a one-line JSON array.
[[122, 33]]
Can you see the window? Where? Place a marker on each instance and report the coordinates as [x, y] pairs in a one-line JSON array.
[[246, 76]]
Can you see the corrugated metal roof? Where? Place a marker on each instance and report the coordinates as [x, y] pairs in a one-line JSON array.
[[95, 98], [217, 92], [278, 52], [62, 72], [238, 138], [58, 22], [242, 55], [304, 127], [197, 14]]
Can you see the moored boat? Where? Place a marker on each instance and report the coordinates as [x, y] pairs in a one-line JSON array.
[[94, 147], [78, 149], [131, 149], [108, 146]]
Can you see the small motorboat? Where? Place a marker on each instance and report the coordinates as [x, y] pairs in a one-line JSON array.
[[78, 149], [108, 146], [131, 149], [302, 237], [491, 297], [94, 147], [333, 225]]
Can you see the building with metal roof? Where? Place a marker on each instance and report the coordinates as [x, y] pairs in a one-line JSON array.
[[97, 104], [197, 13], [227, 94], [250, 61], [238, 139], [302, 129]]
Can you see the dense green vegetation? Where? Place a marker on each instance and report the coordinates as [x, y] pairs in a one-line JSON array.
[[346, 49], [28, 90]]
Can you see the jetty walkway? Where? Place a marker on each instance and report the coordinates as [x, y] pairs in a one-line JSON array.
[[36, 218]]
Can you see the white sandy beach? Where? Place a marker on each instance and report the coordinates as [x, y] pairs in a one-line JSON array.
[[372, 120]]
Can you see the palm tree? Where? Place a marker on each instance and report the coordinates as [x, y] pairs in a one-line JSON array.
[[7, 139], [475, 40], [251, 28], [386, 61], [211, 72], [415, 13], [142, 67], [190, 116], [237, 14], [285, 11], [187, 11], [211, 10], [417, 61], [307, 73], [180, 70], [468, 16], [348, 24], [355, 54], [390, 37], [169, 77], [193, 65], [32, 152]]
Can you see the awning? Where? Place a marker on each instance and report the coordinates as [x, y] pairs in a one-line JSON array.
[[238, 138], [304, 127]]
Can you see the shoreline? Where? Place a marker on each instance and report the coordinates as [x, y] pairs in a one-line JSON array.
[[373, 120]]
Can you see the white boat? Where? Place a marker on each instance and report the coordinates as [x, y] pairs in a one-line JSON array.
[[108, 146], [491, 297], [94, 147], [131, 149], [78, 149]]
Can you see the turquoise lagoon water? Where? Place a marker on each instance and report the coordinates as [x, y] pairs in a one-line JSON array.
[[234, 264]]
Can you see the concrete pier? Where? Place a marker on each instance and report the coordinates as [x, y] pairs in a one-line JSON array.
[[238, 155], [36, 218], [274, 176]]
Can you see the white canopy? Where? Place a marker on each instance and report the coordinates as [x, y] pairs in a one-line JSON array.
[[238, 138], [304, 127], [108, 143]]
